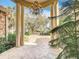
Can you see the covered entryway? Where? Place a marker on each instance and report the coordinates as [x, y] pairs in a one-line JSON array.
[[20, 4], [41, 48]]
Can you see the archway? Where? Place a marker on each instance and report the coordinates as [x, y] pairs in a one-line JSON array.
[[20, 16]]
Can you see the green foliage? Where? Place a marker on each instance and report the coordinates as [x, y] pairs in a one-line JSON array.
[[68, 33], [7, 44], [36, 23], [66, 39], [12, 38], [27, 33]]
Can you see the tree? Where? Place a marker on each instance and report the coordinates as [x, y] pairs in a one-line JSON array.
[[68, 32], [36, 24]]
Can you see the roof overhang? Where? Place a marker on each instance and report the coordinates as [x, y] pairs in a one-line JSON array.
[[29, 4], [3, 9]]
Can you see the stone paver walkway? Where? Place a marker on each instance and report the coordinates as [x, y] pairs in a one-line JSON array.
[[39, 51]]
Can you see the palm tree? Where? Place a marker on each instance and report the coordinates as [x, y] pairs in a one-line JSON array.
[[68, 32]]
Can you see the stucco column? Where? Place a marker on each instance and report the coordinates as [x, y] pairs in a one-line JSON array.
[[18, 24], [56, 8], [6, 27], [52, 21], [55, 23], [57, 14], [22, 26], [53, 14]]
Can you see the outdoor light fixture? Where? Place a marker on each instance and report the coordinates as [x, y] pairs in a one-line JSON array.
[[36, 8]]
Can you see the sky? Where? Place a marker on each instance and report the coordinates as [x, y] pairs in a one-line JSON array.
[[9, 3]]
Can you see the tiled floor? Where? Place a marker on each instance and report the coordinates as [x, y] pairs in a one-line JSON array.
[[39, 51]]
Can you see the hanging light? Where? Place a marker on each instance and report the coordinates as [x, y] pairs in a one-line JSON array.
[[36, 8]]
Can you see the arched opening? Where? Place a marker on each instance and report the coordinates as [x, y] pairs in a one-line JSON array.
[[20, 12], [36, 25]]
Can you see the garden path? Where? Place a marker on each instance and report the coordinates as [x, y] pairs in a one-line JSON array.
[[41, 50]]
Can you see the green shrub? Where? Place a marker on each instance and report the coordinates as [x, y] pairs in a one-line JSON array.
[[12, 38], [27, 33], [7, 44]]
